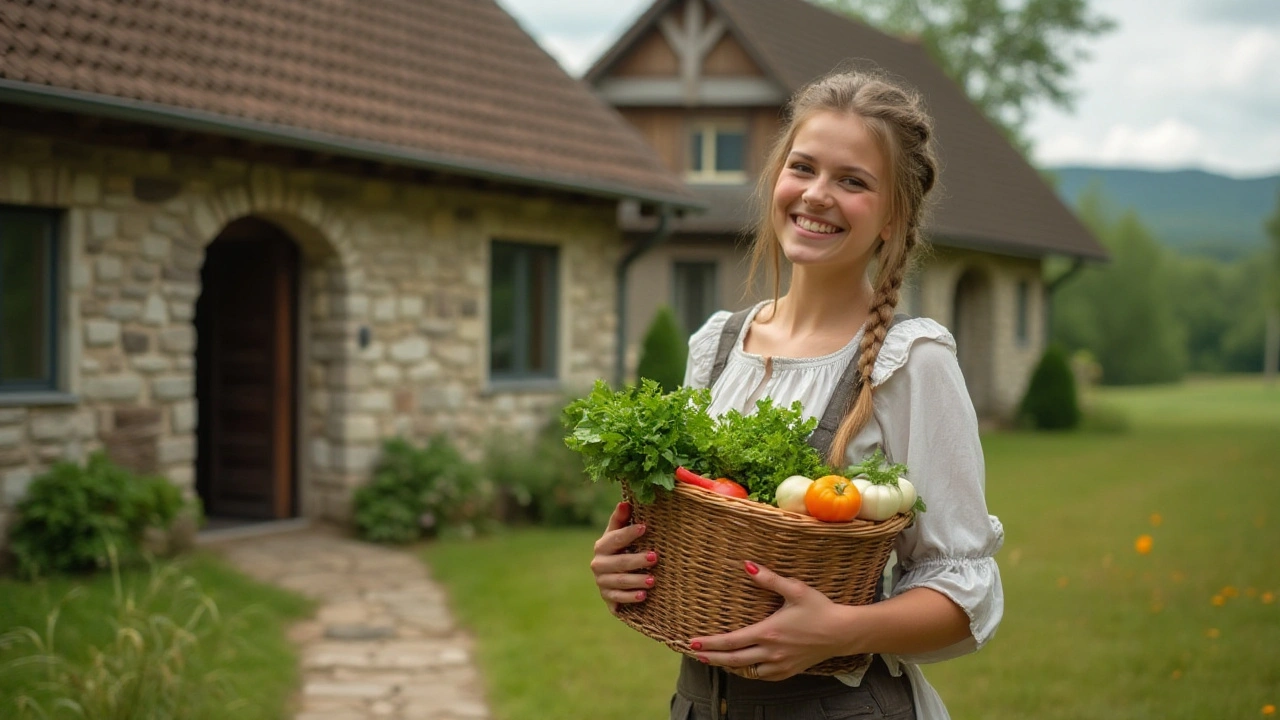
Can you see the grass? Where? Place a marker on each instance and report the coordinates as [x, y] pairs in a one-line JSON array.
[[1092, 627], [256, 662]]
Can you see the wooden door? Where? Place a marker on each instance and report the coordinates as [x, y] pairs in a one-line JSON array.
[[246, 323]]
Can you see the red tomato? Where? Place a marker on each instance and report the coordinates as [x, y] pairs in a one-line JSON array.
[[833, 498]]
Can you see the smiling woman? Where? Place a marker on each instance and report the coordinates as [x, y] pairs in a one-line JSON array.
[[844, 186]]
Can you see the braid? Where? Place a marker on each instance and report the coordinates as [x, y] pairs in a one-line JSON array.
[[882, 309]]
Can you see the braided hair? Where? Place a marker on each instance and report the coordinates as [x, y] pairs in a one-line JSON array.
[[903, 131]]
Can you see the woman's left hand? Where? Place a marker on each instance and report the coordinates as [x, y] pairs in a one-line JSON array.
[[796, 637]]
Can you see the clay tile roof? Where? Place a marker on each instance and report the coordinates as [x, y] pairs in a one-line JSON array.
[[447, 84], [991, 199]]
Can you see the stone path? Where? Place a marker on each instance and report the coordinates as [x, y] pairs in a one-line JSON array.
[[382, 644]]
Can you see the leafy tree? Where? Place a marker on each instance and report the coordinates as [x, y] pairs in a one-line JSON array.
[[1121, 311], [664, 352], [1007, 56]]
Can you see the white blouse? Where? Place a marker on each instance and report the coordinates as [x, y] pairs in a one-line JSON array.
[[923, 417]]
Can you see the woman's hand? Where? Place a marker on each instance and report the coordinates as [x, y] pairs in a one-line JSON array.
[[615, 571], [798, 636]]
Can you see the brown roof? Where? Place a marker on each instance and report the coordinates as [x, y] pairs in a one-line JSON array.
[[455, 85], [991, 199]]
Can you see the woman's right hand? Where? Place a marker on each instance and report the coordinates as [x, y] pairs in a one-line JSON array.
[[617, 573]]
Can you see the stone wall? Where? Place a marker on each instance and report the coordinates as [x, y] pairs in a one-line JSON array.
[[409, 262]]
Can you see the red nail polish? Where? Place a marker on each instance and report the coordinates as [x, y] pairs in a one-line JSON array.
[[641, 595], [649, 581], [641, 528], [702, 660], [695, 645], [651, 556], [624, 506], [752, 568]]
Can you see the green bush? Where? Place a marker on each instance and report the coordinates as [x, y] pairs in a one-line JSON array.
[[72, 514], [543, 481], [1050, 402], [416, 491], [663, 354]]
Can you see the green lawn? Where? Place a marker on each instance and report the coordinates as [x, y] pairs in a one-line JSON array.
[[247, 647], [1092, 628]]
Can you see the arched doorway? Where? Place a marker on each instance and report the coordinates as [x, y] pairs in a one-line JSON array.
[[972, 324], [246, 385]]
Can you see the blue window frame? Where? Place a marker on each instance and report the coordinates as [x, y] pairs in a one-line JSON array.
[[28, 299], [524, 301]]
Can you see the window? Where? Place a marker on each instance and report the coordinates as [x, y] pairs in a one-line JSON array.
[[523, 301], [717, 153], [1022, 328], [28, 300], [694, 295]]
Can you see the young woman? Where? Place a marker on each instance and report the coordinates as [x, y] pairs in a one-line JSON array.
[[841, 202]]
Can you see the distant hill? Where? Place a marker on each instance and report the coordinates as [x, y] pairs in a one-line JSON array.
[[1189, 210]]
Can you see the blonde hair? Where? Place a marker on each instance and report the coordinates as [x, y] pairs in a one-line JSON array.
[[903, 130]]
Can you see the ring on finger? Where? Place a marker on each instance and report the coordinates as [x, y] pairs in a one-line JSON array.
[[752, 671]]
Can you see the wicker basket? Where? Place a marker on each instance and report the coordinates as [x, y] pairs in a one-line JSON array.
[[702, 540]]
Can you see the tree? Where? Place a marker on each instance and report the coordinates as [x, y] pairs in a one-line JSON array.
[[1121, 311], [1272, 343], [664, 352], [1050, 402], [1007, 56]]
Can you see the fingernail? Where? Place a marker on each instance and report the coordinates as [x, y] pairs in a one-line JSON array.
[[651, 556], [695, 645], [641, 595], [641, 528], [702, 660], [649, 581], [624, 506], [752, 568]]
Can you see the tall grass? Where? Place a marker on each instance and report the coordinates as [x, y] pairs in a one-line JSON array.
[[142, 646], [1093, 628]]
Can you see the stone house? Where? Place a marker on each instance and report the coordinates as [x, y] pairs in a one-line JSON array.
[[243, 243], [704, 81]]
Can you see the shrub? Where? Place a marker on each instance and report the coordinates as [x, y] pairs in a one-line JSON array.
[[663, 354], [72, 514], [422, 490], [545, 482], [1050, 402]]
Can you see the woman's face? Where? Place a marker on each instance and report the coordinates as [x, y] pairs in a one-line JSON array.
[[830, 204]]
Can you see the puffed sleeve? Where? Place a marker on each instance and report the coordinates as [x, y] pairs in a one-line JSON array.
[[702, 350], [928, 423]]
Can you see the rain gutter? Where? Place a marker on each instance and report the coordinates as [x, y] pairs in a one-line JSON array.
[[654, 239]]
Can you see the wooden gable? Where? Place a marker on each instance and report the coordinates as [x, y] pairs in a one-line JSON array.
[[686, 56]]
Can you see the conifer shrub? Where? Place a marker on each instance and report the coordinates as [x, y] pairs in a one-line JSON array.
[[663, 354], [1050, 402]]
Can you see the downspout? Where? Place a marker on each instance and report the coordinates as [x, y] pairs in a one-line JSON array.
[[1076, 267], [653, 240]]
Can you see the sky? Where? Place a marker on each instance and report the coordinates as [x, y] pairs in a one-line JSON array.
[[1177, 84]]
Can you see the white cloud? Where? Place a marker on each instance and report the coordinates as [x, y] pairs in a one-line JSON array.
[[1252, 59], [1168, 144]]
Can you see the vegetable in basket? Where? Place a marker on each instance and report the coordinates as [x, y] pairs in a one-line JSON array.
[[885, 491], [640, 435], [719, 486]]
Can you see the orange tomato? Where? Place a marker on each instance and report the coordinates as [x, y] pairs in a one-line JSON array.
[[833, 498]]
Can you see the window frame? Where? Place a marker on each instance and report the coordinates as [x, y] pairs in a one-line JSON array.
[[51, 383], [1022, 313], [709, 130], [676, 289], [521, 375]]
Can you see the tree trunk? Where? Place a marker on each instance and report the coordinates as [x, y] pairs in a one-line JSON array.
[[1272, 351]]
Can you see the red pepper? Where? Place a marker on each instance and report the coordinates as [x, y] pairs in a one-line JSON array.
[[720, 486]]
